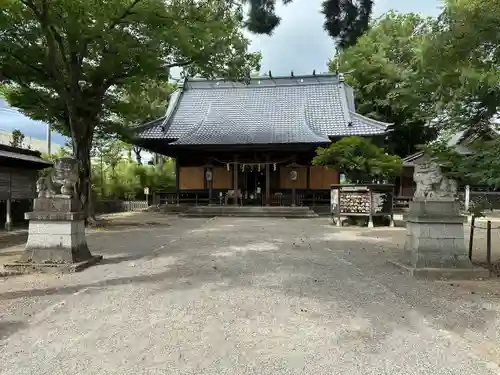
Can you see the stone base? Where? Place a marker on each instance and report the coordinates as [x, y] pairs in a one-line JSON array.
[[474, 273], [435, 236], [30, 267], [56, 238], [56, 242]]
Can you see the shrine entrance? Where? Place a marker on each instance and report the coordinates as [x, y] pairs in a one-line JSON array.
[[253, 185]]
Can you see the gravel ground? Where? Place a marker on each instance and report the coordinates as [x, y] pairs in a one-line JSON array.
[[247, 296]]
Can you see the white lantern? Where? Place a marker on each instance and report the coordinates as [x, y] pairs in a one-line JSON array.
[[208, 175]]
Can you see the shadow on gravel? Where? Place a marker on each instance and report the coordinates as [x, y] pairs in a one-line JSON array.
[[9, 240], [121, 259], [10, 327], [353, 277], [155, 278]]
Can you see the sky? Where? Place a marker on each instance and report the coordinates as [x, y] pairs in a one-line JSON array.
[[299, 44]]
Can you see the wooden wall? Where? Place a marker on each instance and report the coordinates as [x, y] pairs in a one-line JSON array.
[[322, 177], [191, 178], [287, 183], [18, 183], [222, 178]]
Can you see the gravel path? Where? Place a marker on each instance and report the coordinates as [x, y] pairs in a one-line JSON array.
[[247, 296]]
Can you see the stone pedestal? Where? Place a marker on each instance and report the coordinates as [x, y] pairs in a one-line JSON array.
[[435, 246], [56, 238]]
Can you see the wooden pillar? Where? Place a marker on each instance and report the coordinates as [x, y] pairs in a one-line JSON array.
[[8, 214], [8, 206], [235, 180], [370, 217], [177, 180], [268, 181], [294, 183]]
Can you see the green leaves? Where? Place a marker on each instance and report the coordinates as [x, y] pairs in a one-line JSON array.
[[17, 138], [67, 62], [467, 86], [359, 159], [482, 167], [388, 85], [345, 20]]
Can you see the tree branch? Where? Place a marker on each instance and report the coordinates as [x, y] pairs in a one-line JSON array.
[[29, 65], [179, 64], [125, 14], [42, 17]]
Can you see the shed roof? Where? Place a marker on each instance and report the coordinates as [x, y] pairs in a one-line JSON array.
[[29, 158], [282, 110]]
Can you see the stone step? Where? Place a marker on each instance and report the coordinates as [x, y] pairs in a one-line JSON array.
[[251, 208], [248, 214], [289, 212]]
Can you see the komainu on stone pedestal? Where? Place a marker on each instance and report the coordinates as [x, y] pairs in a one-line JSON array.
[[431, 183], [435, 245], [56, 235]]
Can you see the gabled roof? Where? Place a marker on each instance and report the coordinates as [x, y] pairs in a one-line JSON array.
[[307, 109]]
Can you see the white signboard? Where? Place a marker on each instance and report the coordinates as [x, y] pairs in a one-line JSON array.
[[146, 191]]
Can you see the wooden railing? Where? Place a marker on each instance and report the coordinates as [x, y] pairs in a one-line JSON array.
[[110, 206], [281, 197]]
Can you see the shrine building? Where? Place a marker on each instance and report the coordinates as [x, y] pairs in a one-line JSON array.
[[259, 137]]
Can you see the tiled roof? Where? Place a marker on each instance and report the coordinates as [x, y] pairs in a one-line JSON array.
[[266, 111]]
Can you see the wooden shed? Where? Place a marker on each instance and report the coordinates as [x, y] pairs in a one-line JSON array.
[[18, 175]]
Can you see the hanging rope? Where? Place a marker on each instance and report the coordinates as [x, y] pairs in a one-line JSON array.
[[258, 163]]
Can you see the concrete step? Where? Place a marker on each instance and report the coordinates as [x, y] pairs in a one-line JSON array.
[[249, 211], [249, 214]]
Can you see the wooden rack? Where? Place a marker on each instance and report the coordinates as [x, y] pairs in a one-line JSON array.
[[368, 200]]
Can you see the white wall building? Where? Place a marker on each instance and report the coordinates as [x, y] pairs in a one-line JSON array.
[[29, 142]]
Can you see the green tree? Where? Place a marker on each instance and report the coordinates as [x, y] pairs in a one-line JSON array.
[[140, 103], [466, 89], [66, 61], [361, 160], [17, 138], [345, 20], [112, 154], [384, 71]]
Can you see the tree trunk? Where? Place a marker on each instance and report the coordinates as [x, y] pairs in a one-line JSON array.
[[159, 161], [81, 151], [137, 152]]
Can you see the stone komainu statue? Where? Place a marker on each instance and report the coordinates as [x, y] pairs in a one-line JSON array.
[[61, 181], [431, 183]]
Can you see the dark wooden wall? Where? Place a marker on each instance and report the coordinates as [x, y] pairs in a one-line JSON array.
[[192, 167], [17, 183]]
